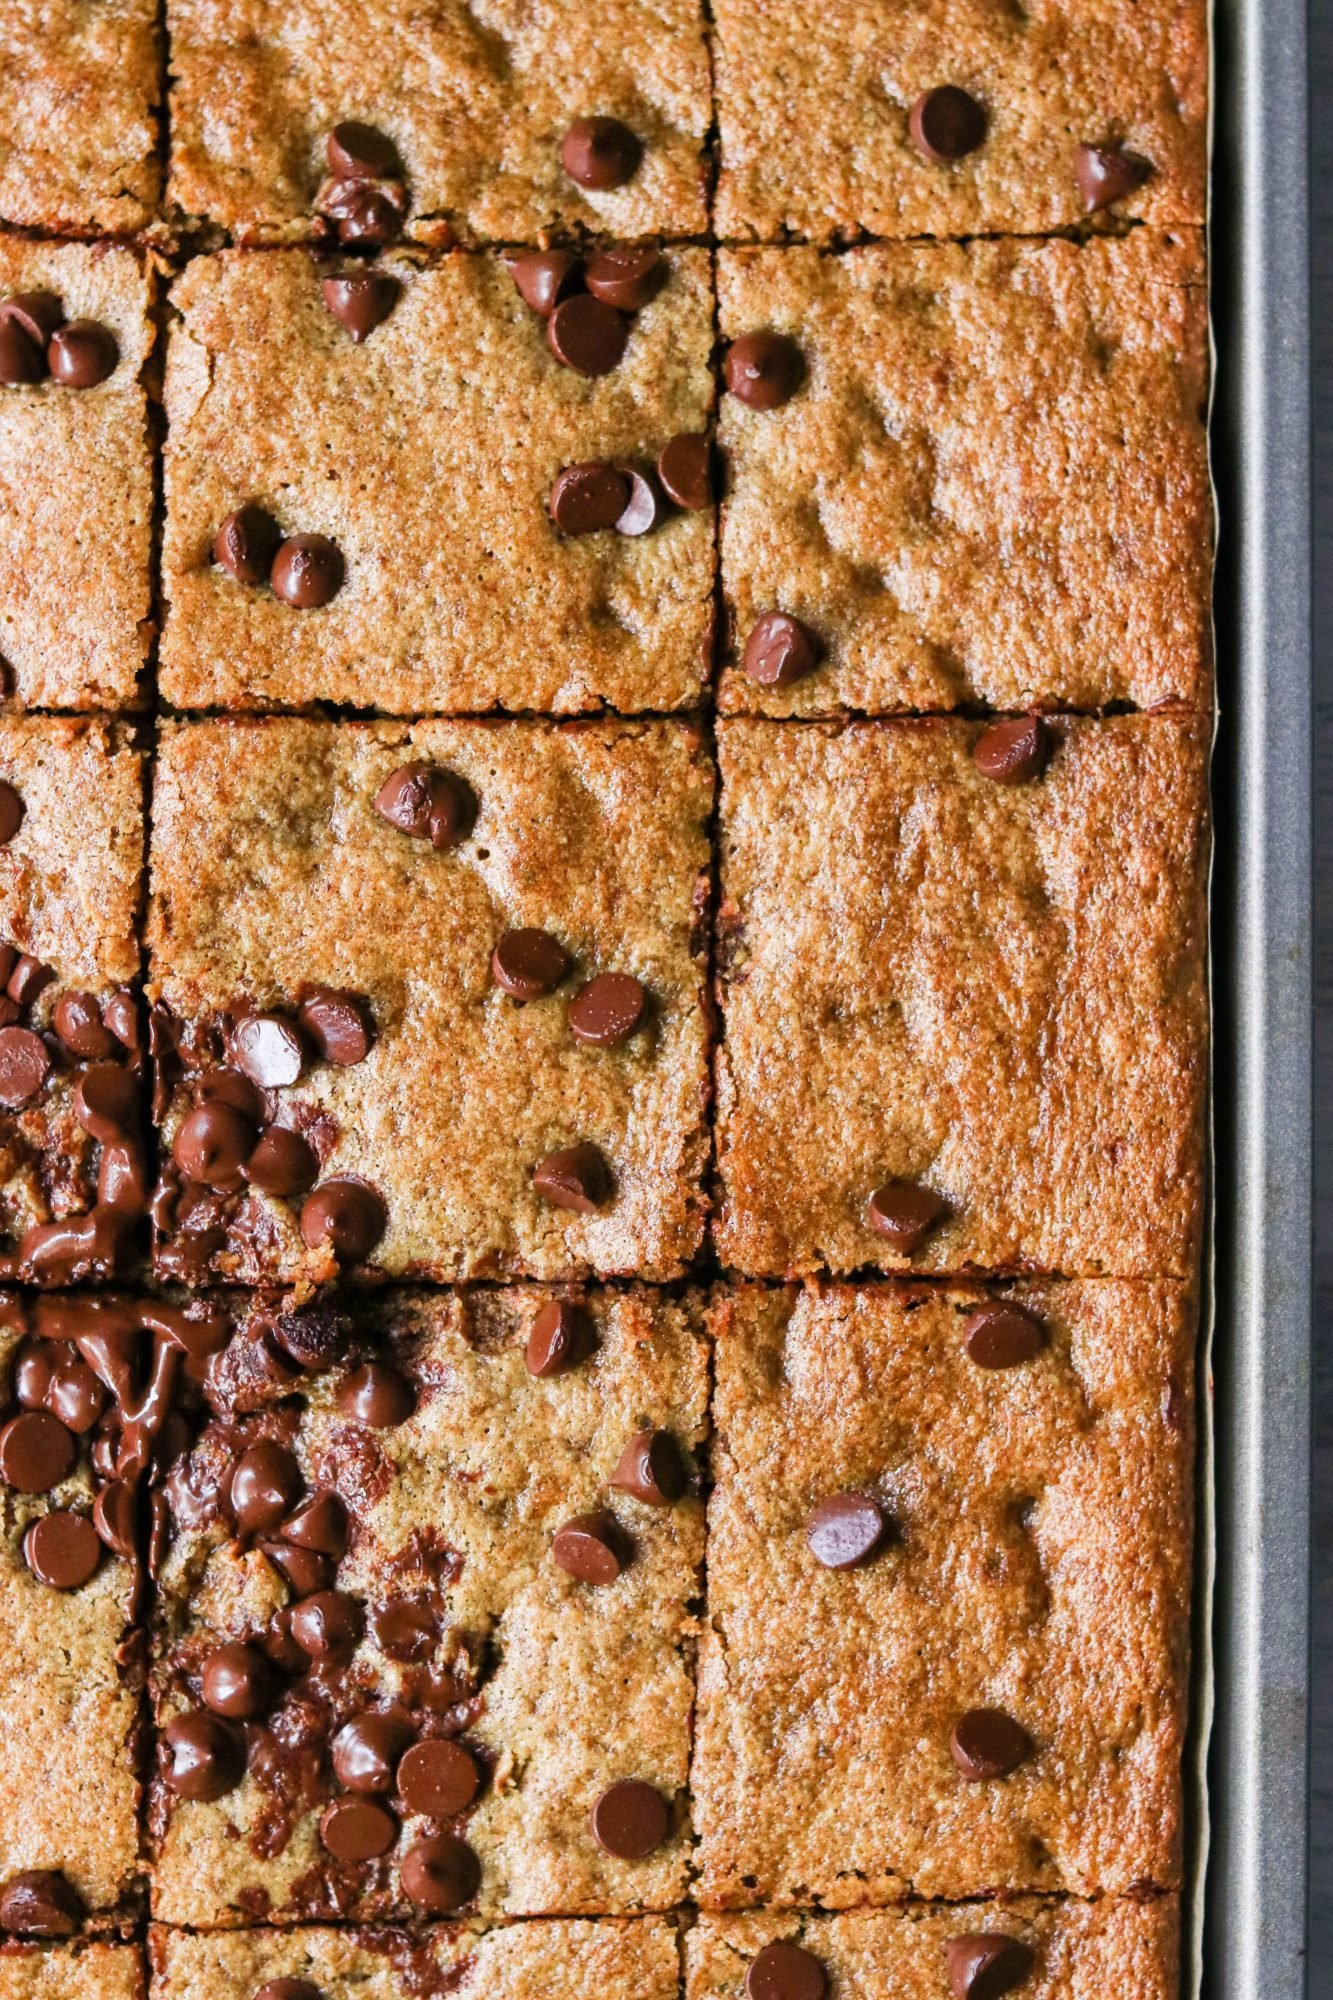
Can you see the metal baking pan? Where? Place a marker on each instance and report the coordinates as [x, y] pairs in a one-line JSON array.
[[1254, 1914]]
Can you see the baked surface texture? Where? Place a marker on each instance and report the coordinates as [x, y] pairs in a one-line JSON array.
[[69, 1792], [538, 1960], [1081, 1951], [76, 492], [78, 132], [813, 107], [72, 1972], [991, 488], [996, 990], [559, 1688], [427, 454], [476, 101], [1036, 1562], [592, 833], [70, 884]]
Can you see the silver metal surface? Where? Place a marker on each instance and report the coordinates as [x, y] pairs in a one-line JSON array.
[[1256, 1881]]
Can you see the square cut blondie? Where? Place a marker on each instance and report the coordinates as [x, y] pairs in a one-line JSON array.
[[471, 108], [425, 1638], [637, 1957], [451, 972], [958, 117], [948, 1593], [989, 486], [962, 970], [74, 1180], [428, 456], [78, 98], [69, 1788], [76, 476], [72, 1972], [1054, 1949]]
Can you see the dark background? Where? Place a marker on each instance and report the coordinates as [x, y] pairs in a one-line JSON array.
[[1321, 190]]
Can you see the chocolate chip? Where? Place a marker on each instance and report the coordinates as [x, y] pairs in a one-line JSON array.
[[228, 1086], [307, 572], [987, 1743], [357, 1829], [528, 963], [78, 1022], [780, 650], [327, 1625], [114, 1518], [588, 498], [628, 276], [360, 301], [1012, 753], [585, 334], [845, 1530], [365, 213], [982, 1965], [643, 508], [27, 979], [320, 1524], [265, 1486], [574, 1178], [600, 153], [81, 354], [281, 1163], [11, 813], [904, 1213], [25, 1064], [440, 1875], [315, 1335], [685, 469], [1107, 174], [946, 123], [630, 1820], [75, 1397], [556, 1339], [36, 1452], [377, 1396], [438, 1778], [763, 370], [246, 544], [34, 1365], [405, 1629], [212, 1145], [783, 1971], [347, 1215], [607, 1010], [428, 803], [268, 1048], [38, 313], [288, 1989], [201, 1756], [1002, 1336], [367, 1748], [590, 1549], [358, 152], [544, 277], [106, 1103], [21, 360], [62, 1550], [305, 1569], [39, 1902], [651, 1468], [338, 1024], [237, 1681]]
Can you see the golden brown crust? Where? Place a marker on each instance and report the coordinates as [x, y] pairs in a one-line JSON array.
[[997, 990], [569, 1960], [1038, 1562], [476, 101], [427, 454], [991, 489], [71, 1972], [595, 833], [78, 134], [76, 494], [813, 106], [579, 1685], [1083, 1951]]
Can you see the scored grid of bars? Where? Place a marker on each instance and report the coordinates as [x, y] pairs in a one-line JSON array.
[[1077, 1944]]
